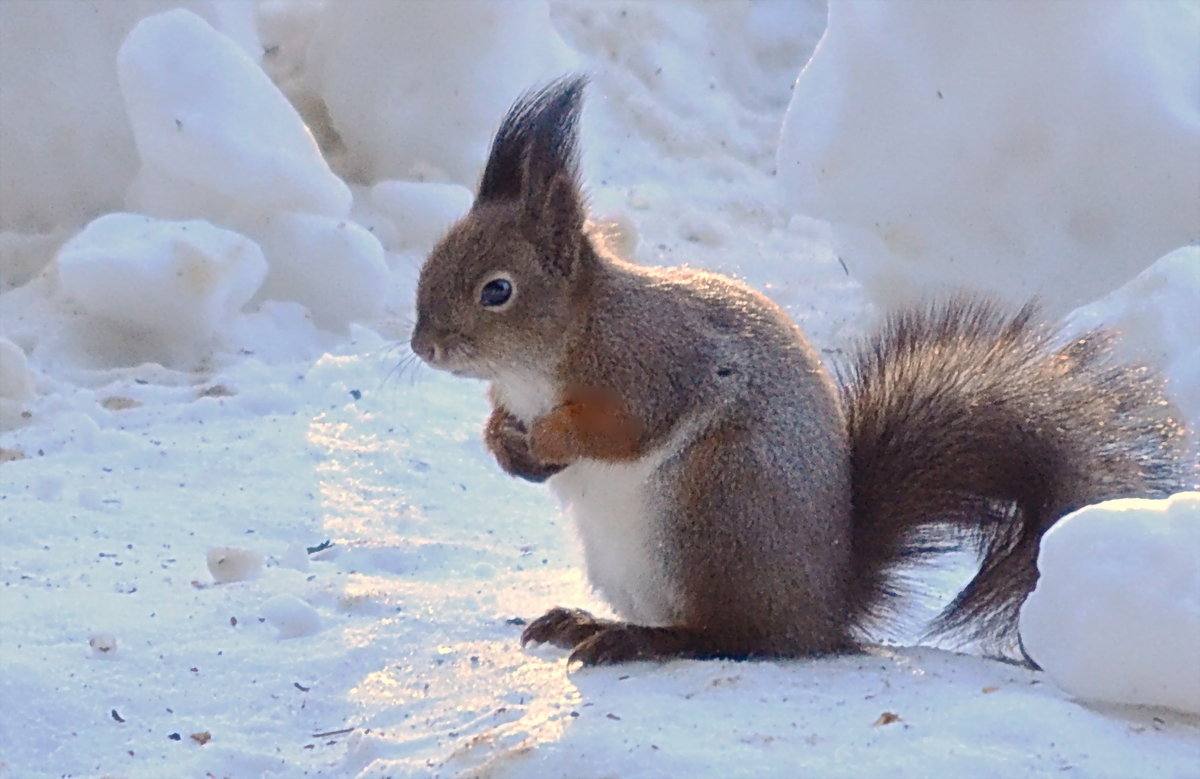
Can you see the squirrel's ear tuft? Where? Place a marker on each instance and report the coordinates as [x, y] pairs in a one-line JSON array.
[[535, 145]]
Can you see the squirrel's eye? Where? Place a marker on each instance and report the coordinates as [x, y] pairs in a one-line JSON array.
[[496, 292]]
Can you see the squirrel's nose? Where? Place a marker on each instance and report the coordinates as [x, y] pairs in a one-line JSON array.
[[424, 346]]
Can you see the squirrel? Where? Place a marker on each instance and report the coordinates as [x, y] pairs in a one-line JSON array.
[[736, 498]]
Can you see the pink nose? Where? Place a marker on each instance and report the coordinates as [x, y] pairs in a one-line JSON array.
[[425, 348]]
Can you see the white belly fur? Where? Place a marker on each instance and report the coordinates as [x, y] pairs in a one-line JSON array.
[[613, 507]]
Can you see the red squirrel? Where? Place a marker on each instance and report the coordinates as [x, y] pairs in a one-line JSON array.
[[733, 497]]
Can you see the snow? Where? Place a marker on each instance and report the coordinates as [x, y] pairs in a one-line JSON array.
[[59, 113], [201, 329], [16, 384], [384, 72], [1060, 172], [1104, 635], [214, 135], [1156, 317], [306, 250], [162, 289], [232, 564]]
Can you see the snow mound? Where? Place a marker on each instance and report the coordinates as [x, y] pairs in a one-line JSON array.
[[215, 136], [1116, 613], [66, 143], [415, 91], [941, 158], [171, 286], [1156, 317]]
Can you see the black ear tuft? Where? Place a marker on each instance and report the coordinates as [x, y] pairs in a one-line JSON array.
[[536, 143]]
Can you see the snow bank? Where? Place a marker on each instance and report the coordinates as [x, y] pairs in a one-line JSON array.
[[415, 90], [1158, 322], [66, 143], [1046, 148], [1116, 613], [215, 136], [172, 286]]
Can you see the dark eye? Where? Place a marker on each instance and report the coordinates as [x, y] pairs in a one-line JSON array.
[[496, 292]]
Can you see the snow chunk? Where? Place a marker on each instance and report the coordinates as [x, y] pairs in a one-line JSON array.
[[175, 283], [103, 644], [414, 91], [1116, 613], [291, 616], [232, 564], [941, 157], [215, 136], [1156, 316], [296, 557], [334, 267], [16, 384]]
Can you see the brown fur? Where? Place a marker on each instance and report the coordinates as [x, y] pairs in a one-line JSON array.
[[779, 504]]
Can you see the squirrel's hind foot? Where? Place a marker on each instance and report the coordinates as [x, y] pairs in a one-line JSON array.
[[564, 628], [596, 641]]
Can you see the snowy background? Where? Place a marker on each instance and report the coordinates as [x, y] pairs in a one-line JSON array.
[[210, 224]]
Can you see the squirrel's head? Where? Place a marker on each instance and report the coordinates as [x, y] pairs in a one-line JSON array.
[[499, 289]]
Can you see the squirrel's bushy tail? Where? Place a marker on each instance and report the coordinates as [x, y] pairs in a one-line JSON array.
[[969, 423]]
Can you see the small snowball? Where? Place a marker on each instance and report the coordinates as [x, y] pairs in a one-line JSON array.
[[333, 267], [291, 616], [103, 644], [178, 283], [617, 232], [16, 384], [215, 136], [1116, 613], [231, 564], [296, 557], [420, 212]]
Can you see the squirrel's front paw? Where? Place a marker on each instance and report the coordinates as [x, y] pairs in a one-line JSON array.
[[509, 442]]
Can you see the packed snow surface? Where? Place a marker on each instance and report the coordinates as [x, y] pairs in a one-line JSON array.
[[244, 535]]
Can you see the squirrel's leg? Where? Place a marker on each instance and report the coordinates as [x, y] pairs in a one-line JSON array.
[[508, 440], [588, 423], [752, 595]]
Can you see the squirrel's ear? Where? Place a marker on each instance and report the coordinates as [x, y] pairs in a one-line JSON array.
[[534, 161], [536, 140], [554, 218]]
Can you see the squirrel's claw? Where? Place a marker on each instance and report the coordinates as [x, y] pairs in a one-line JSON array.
[[564, 628], [509, 443]]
